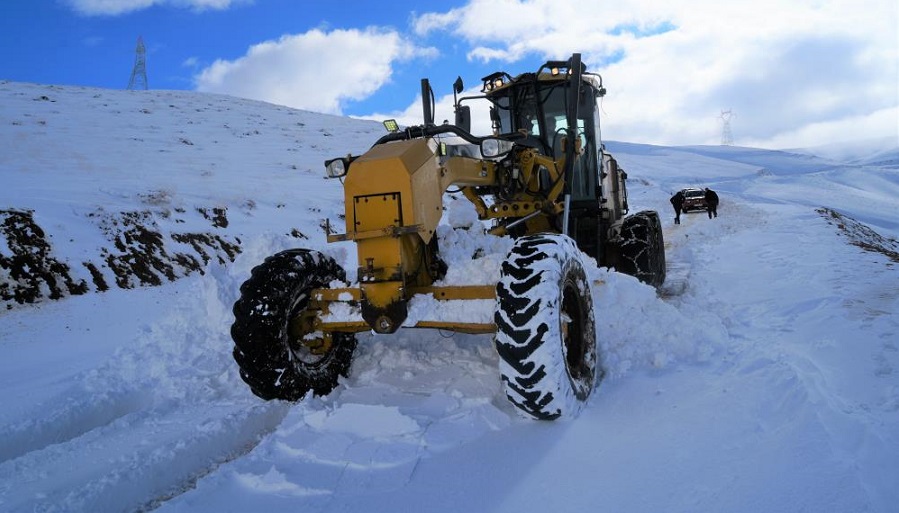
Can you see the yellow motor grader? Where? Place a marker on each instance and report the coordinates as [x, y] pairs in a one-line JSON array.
[[542, 177]]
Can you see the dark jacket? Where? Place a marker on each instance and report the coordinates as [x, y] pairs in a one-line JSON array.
[[711, 197], [678, 199]]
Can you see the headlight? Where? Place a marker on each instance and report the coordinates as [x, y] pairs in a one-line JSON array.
[[335, 168], [492, 147], [391, 126]]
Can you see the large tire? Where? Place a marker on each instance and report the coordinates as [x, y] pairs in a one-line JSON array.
[[642, 248], [545, 335], [275, 362]]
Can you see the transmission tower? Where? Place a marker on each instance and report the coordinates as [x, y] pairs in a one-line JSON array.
[[727, 138], [139, 73]]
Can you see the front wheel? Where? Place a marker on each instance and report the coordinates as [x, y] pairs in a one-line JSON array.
[[545, 334], [279, 356]]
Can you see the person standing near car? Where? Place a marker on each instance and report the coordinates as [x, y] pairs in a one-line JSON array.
[[711, 202], [677, 201]]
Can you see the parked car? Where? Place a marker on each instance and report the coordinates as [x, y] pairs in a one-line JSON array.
[[694, 199]]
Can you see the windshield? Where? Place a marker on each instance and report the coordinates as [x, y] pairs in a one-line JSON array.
[[521, 108]]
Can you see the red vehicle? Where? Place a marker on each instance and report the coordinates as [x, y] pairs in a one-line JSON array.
[[694, 199]]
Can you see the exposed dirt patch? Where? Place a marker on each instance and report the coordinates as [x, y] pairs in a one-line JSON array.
[[861, 235], [218, 216], [145, 255], [99, 280], [140, 257], [209, 245], [29, 271], [142, 251]]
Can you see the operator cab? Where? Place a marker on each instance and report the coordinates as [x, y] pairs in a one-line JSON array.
[[534, 110], [556, 112]]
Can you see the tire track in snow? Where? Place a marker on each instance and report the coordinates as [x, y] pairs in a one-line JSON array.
[[73, 418], [142, 427], [409, 396], [137, 458]]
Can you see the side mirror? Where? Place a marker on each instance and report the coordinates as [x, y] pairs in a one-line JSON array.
[[495, 123], [493, 147], [463, 117]]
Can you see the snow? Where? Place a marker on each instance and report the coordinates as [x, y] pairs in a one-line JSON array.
[[766, 378]]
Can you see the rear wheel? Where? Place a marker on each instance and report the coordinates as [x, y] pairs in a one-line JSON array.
[[279, 355], [642, 248], [545, 336]]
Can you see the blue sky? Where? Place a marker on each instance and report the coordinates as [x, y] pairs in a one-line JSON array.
[[794, 73]]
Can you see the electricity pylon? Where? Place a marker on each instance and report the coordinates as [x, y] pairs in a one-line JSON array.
[[139, 73], [727, 138]]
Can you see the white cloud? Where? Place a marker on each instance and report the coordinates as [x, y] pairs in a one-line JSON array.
[[788, 69], [118, 7], [314, 70], [864, 127]]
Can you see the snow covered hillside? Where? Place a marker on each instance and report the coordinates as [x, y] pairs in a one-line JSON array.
[[171, 180], [764, 378]]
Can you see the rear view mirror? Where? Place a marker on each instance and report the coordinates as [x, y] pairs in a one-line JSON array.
[[463, 117]]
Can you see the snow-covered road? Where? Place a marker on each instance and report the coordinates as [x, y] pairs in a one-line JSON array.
[[757, 377]]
